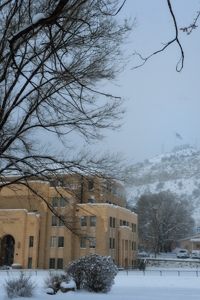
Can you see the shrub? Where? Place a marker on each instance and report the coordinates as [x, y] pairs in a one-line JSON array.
[[54, 280], [100, 273], [94, 273], [21, 286], [76, 269]]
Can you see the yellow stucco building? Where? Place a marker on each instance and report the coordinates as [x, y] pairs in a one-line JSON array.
[[32, 236]]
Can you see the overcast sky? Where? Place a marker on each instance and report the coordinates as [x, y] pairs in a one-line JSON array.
[[160, 101]]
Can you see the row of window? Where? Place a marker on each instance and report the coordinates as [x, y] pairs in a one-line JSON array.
[[31, 241], [55, 221], [112, 222], [92, 220], [52, 263], [112, 243], [134, 246], [92, 242], [53, 242], [125, 223], [59, 202]]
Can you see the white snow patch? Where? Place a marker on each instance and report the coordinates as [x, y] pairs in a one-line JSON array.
[[38, 17]]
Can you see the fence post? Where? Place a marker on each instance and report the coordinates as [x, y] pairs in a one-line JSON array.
[[178, 273], [160, 273]]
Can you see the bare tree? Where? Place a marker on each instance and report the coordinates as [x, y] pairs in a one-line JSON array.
[[163, 219], [175, 39], [53, 57]]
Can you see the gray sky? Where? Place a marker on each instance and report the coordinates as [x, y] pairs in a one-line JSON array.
[[159, 100]]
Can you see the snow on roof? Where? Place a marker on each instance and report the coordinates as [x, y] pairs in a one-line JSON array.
[[106, 204], [195, 240]]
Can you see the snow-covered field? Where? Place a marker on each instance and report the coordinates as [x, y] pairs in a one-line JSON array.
[[134, 286]]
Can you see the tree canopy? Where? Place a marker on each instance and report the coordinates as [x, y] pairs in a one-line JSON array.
[[163, 219]]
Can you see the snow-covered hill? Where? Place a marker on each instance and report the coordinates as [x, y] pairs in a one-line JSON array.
[[177, 171]]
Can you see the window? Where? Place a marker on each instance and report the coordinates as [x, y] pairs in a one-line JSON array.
[[83, 242], [54, 221], [110, 222], [92, 243], [92, 221], [62, 221], [53, 242], [52, 263], [134, 246], [31, 240], [124, 223], [90, 200], [90, 185], [60, 263], [61, 241], [55, 202], [30, 263], [113, 243], [134, 227], [84, 221], [110, 243], [62, 202]]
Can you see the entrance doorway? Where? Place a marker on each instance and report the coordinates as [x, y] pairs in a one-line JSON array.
[[7, 249]]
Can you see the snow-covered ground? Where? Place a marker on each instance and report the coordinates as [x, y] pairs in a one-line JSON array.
[[153, 285]]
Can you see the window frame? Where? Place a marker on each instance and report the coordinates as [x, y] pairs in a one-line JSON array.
[[55, 202], [90, 185], [61, 242], [84, 221], [31, 241], [53, 241], [59, 263], [93, 221], [110, 243], [92, 243], [63, 202], [83, 242], [54, 221], [30, 260], [61, 222], [52, 262]]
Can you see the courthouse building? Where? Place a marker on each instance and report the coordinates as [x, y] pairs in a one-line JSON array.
[[32, 236]]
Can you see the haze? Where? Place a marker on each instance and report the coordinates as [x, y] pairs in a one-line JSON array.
[[160, 101]]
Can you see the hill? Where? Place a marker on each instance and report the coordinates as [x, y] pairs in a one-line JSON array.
[[177, 171]]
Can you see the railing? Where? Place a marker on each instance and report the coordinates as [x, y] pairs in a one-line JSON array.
[[159, 272]]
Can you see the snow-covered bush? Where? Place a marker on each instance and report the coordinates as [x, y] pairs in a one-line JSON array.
[[76, 269], [54, 280], [20, 286], [94, 273], [100, 273]]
